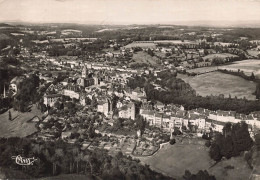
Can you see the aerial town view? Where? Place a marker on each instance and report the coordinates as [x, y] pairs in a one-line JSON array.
[[130, 90]]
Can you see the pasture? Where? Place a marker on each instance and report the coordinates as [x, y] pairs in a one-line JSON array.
[[142, 45], [173, 160], [217, 83], [219, 55], [247, 66], [144, 57], [203, 69]]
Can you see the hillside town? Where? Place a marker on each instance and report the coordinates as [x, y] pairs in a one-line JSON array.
[[126, 95]]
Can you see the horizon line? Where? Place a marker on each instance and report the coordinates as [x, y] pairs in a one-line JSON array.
[[203, 23]]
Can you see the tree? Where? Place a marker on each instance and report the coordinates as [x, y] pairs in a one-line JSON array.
[[227, 129], [252, 77], [94, 102], [215, 152], [140, 123], [118, 124], [16, 51], [43, 107], [187, 174], [206, 52], [234, 140], [150, 52], [167, 54], [207, 143], [172, 141], [257, 91], [201, 175], [227, 147], [257, 141], [10, 115]]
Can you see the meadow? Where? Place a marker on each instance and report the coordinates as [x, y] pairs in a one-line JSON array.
[[247, 66], [144, 57], [173, 160], [142, 45], [219, 55], [203, 69], [216, 83]]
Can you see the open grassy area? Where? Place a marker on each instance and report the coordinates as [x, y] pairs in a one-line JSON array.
[[144, 57], [4, 37], [248, 66], [173, 160], [142, 45], [18, 127], [253, 52], [219, 55], [216, 83], [203, 69], [231, 169]]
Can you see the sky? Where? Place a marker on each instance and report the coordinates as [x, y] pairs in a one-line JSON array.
[[129, 11]]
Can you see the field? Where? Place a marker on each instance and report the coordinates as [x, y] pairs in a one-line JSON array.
[[241, 169], [144, 57], [253, 52], [18, 127], [248, 66], [216, 83], [142, 45], [4, 37], [173, 42], [173, 160], [202, 69], [222, 55]]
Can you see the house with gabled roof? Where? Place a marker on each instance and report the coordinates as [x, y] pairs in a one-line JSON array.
[[72, 91], [127, 111], [49, 100]]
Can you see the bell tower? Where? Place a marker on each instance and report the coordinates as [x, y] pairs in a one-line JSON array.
[[84, 72]]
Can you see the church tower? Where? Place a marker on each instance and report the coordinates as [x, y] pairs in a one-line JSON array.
[[84, 72]]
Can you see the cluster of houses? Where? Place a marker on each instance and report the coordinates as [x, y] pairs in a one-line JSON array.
[[170, 117], [101, 89]]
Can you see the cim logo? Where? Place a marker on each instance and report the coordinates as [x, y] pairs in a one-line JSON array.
[[23, 161]]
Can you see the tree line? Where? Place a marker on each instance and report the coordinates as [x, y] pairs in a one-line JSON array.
[[27, 93], [179, 92], [54, 158]]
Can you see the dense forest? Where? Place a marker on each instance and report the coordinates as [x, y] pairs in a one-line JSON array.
[[62, 158]]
